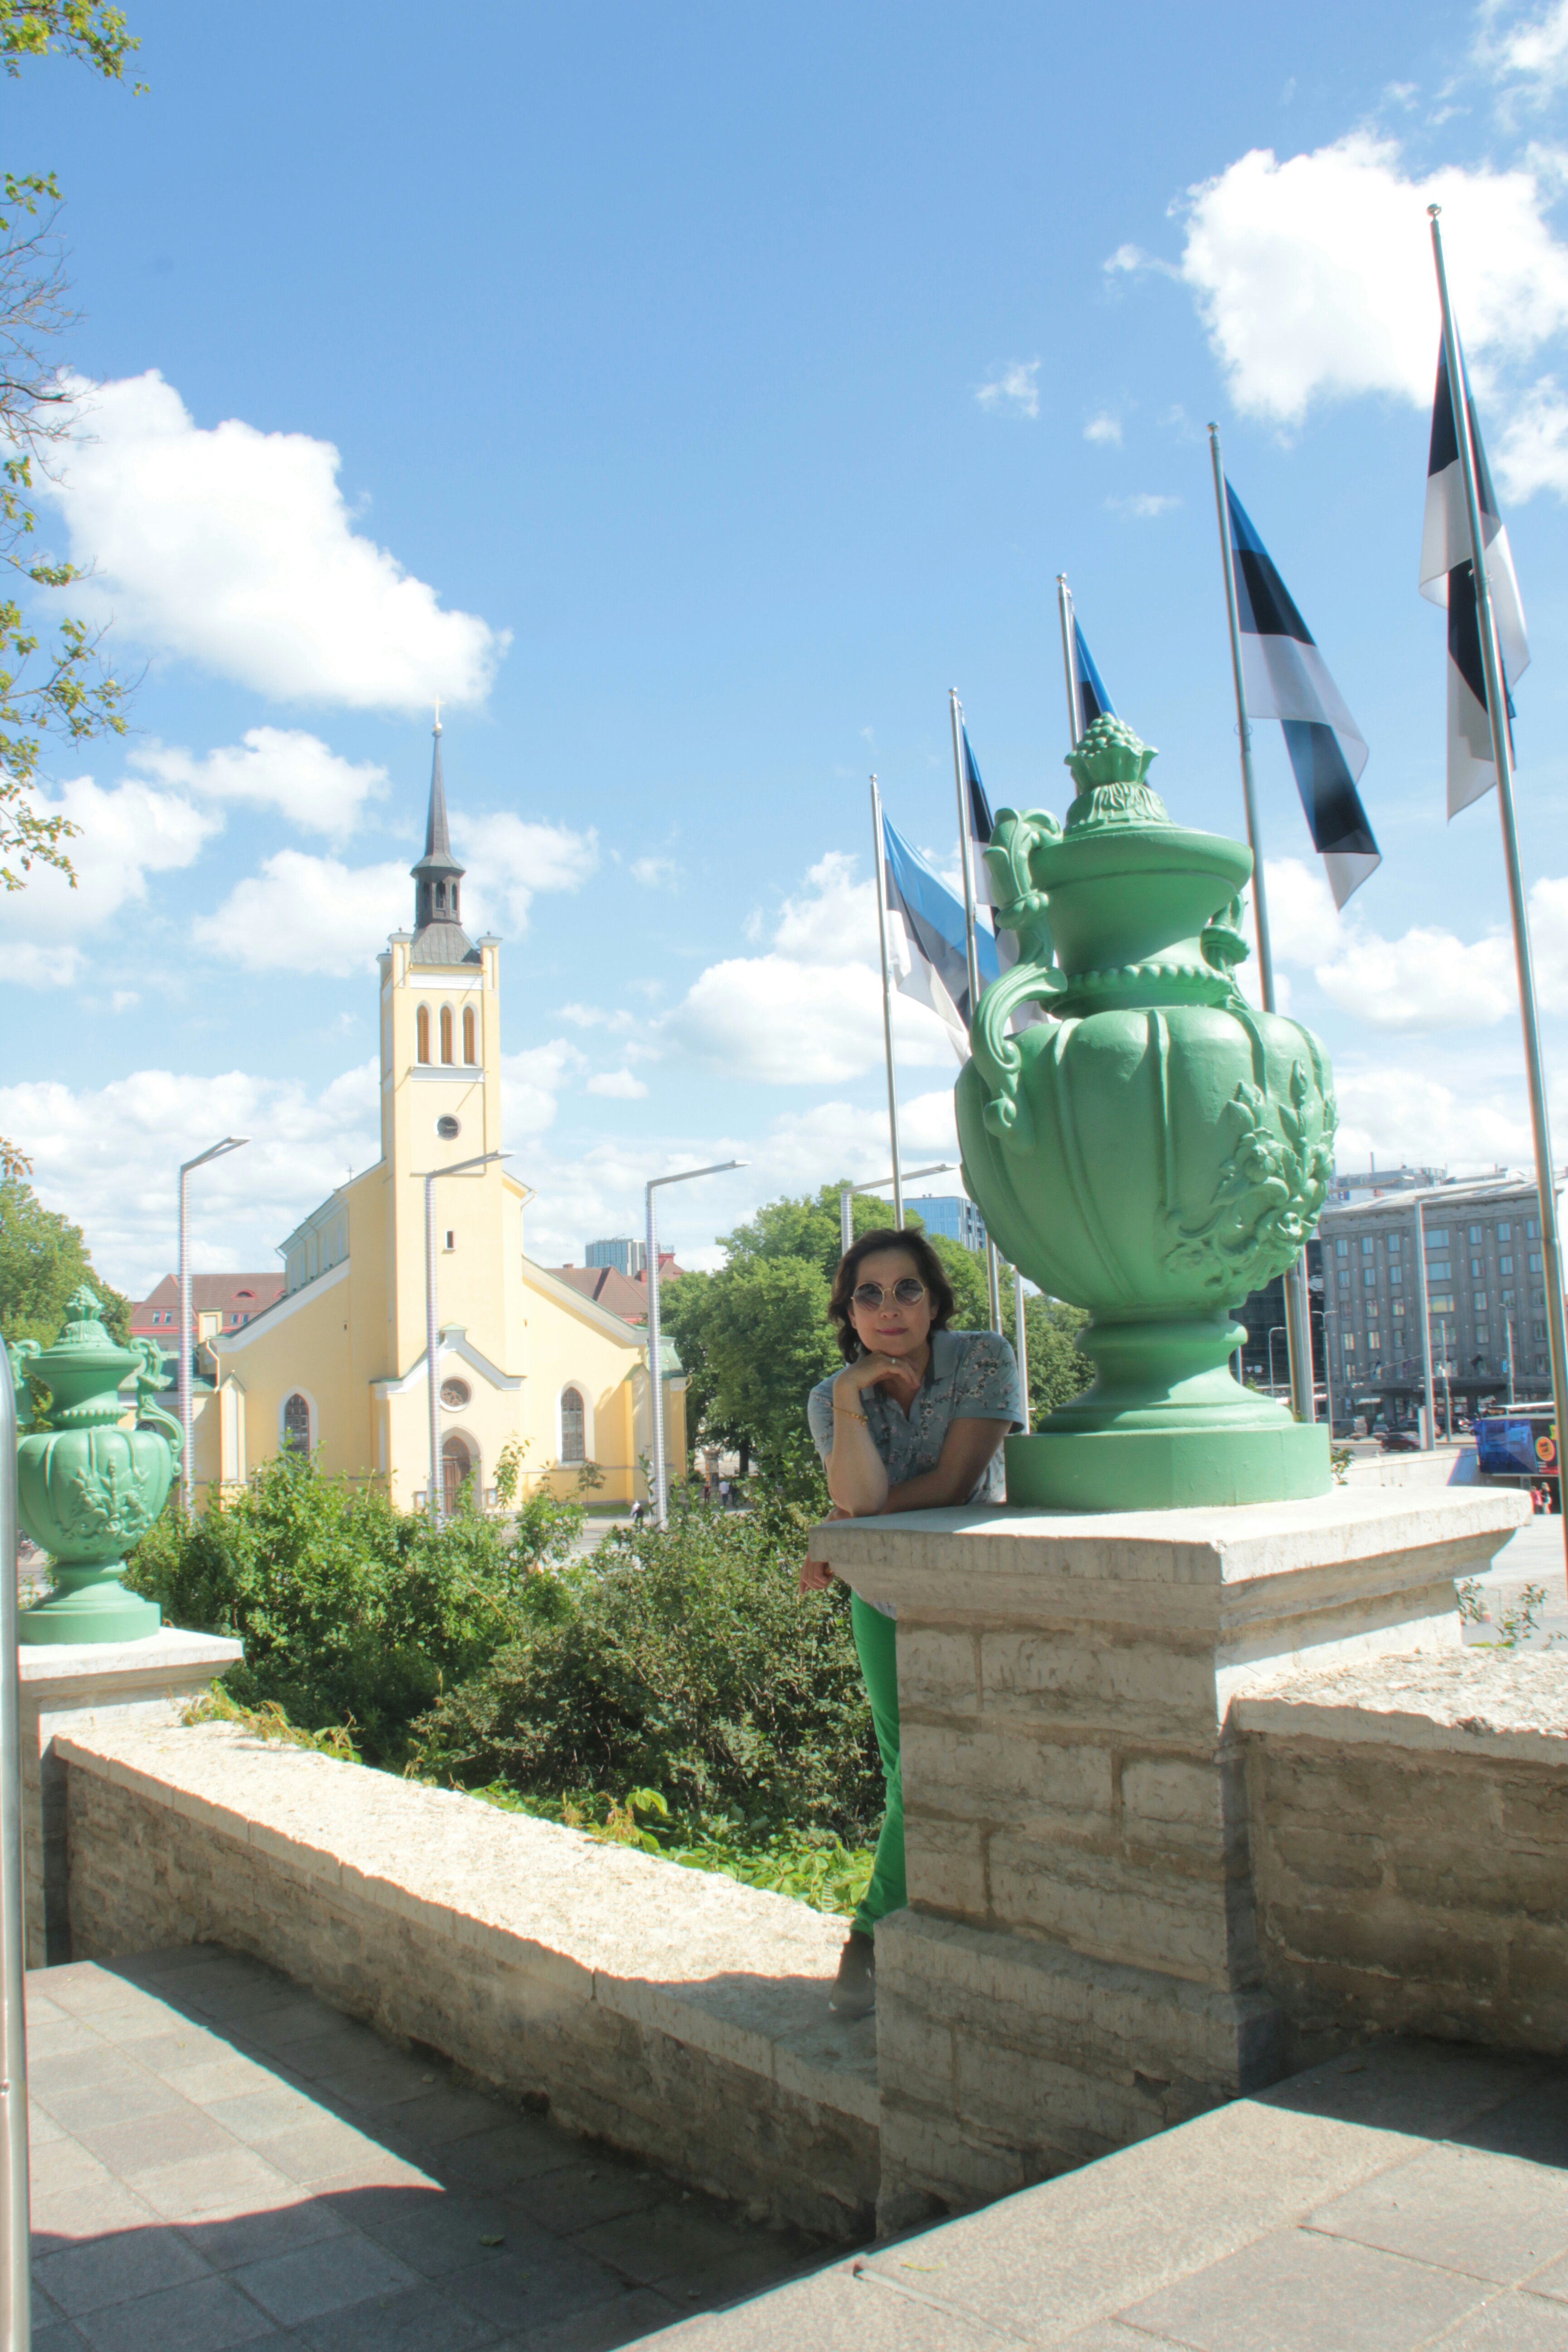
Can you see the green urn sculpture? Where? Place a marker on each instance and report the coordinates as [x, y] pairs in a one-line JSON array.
[[88, 1490], [1153, 1149]]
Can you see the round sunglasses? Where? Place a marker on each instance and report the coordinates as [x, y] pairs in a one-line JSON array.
[[871, 1294]]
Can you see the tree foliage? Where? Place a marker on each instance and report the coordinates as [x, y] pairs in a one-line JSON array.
[[684, 1662], [352, 1613], [60, 688], [43, 1258]]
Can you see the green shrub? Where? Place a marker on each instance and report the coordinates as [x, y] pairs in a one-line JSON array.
[[686, 1663], [351, 1612]]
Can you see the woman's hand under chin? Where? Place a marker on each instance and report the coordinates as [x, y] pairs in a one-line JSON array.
[[895, 1374]]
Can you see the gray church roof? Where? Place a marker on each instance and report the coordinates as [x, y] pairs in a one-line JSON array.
[[438, 933]]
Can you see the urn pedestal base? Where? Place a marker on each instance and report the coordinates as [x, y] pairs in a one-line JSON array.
[[89, 1605], [1167, 1470]]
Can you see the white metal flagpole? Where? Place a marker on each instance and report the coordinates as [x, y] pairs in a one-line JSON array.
[[955, 712], [880, 852], [1297, 1312], [1497, 712], [1069, 665]]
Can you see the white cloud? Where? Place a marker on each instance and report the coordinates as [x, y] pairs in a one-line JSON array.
[[108, 1157], [1428, 979], [510, 859], [1532, 452], [1466, 1122], [1531, 52], [809, 1012], [128, 832], [1105, 429], [234, 548], [621, 1086], [1314, 275], [656, 873], [307, 914], [1144, 505], [530, 1085], [1014, 390], [274, 767]]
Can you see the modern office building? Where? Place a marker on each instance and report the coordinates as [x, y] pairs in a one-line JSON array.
[[1265, 1358], [952, 1213], [628, 1258], [1486, 1299]]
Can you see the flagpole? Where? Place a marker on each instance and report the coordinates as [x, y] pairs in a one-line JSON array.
[[1497, 712], [1298, 1313], [879, 851], [955, 713], [1021, 1345], [1070, 666]]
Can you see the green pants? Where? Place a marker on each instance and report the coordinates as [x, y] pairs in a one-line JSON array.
[[877, 1641]]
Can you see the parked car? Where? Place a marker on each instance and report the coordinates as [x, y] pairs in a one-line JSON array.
[[1398, 1441]]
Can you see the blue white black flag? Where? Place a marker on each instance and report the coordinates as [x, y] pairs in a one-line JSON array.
[[1286, 677], [977, 816], [926, 950], [1093, 699], [1447, 578]]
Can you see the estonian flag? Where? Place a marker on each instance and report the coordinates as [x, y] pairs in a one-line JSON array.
[[926, 952], [1286, 677], [1447, 578], [1093, 699]]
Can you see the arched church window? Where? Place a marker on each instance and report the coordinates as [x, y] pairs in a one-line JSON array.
[[470, 1036], [446, 1033], [297, 1425], [422, 1034], [573, 1417]]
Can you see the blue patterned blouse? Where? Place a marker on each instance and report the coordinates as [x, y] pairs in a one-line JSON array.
[[971, 1376]]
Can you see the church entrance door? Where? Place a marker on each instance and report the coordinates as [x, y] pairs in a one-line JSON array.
[[456, 1464]]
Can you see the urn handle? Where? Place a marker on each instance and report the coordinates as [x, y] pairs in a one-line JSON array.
[[1020, 907], [149, 1383]]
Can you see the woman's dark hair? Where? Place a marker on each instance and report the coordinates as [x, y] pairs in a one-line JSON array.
[[928, 1265]]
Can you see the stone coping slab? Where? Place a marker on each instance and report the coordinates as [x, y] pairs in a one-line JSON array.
[[1445, 2161], [955, 1558], [64, 1668], [731, 1969], [1511, 1707]]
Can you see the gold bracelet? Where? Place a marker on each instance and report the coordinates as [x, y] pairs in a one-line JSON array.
[[850, 1412]]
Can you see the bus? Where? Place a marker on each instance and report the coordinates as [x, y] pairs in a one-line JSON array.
[[1518, 1448]]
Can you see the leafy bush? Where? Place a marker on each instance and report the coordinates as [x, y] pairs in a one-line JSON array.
[[351, 1612], [683, 1662]]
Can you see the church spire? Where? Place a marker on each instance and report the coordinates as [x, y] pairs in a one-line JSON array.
[[438, 934]]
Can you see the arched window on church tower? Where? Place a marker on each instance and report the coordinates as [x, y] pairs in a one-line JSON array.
[[446, 1033], [470, 1036], [422, 1034]]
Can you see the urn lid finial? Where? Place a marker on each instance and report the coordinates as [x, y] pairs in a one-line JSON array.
[[1108, 766]]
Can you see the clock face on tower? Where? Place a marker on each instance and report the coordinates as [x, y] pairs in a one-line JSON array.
[[448, 1129]]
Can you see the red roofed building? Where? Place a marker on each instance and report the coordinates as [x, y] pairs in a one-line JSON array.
[[625, 1295], [219, 1302]]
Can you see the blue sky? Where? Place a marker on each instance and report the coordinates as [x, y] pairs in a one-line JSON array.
[[690, 395]]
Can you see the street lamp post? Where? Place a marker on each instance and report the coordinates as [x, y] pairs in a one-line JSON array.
[[187, 1469], [655, 1373], [436, 1512], [1273, 1327]]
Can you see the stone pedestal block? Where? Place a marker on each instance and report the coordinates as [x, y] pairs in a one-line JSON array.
[[1078, 1965], [82, 1687]]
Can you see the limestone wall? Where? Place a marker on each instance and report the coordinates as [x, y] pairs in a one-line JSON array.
[[671, 2012], [1408, 1824]]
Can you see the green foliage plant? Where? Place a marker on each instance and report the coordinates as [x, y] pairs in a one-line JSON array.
[[683, 1661], [269, 1722], [43, 1259], [351, 1611]]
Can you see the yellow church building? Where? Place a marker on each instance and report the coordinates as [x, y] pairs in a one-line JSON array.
[[338, 1366]]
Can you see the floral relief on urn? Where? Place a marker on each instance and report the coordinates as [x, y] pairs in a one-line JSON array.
[[87, 1488], [1150, 1145]]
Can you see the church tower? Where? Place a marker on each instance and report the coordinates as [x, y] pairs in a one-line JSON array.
[[440, 1103]]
